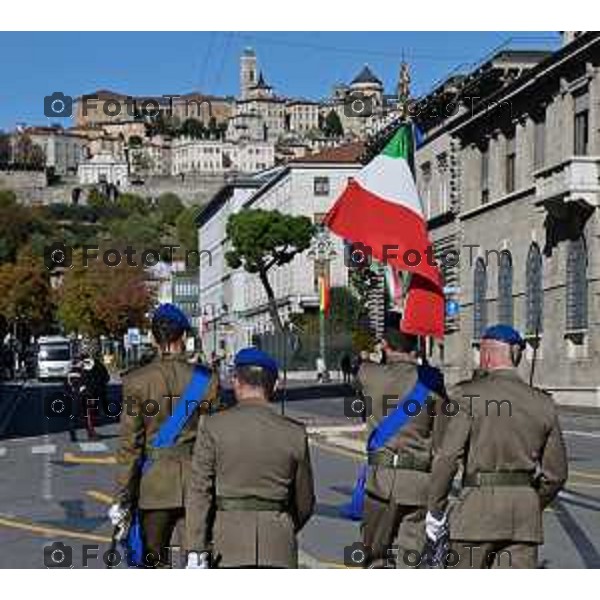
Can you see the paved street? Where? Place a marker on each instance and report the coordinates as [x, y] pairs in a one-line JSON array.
[[53, 490]]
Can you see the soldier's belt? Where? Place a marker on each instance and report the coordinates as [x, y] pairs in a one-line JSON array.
[[180, 451], [251, 503], [398, 461], [498, 478]]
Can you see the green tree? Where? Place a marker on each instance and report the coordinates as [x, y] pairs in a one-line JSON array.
[[213, 129], [25, 291], [28, 155], [332, 126], [142, 232], [101, 300], [5, 149], [169, 207], [135, 141], [263, 239], [7, 198], [187, 230], [96, 199], [17, 224], [193, 128], [132, 203]]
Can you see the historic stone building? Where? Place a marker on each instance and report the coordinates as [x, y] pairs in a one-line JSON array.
[[510, 177]]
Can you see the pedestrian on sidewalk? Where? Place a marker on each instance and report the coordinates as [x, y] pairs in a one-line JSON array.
[[346, 367], [321, 371]]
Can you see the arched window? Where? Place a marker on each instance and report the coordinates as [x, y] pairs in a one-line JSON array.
[[534, 306], [479, 303], [577, 286], [505, 288]]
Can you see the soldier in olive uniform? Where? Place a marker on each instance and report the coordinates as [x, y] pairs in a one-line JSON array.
[[150, 394], [507, 437], [251, 488], [397, 485]]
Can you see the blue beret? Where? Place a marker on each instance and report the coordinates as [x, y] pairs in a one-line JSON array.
[[257, 358], [503, 333], [172, 313]]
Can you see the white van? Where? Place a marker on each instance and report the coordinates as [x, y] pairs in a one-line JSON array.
[[55, 357]]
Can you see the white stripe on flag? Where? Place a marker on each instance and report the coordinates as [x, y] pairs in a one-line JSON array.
[[391, 179]]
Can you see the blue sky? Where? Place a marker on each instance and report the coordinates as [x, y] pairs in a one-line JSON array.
[[299, 64]]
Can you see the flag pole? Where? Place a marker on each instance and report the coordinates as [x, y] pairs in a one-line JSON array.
[[403, 97]]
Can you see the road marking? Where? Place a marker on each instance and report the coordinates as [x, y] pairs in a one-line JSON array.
[[100, 496], [93, 447], [55, 532], [3, 452], [586, 474], [580, 484], [44, 449], [582, 434], [69, 457]]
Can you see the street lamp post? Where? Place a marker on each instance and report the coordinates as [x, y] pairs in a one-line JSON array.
[[322, 253]]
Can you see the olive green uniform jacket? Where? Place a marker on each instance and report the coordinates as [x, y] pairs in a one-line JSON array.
[[385, 385], [149, 395], [249, 452], [503, 425]]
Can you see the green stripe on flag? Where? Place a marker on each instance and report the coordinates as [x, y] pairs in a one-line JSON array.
[[401, 145]]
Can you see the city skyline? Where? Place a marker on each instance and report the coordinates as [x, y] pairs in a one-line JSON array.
[[114, 62]]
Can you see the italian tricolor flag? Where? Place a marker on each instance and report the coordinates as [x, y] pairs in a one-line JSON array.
[[323, 294], [380, 208]]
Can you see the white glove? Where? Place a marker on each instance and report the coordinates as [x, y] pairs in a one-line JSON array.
[[118, 515], [198, 561], [434, 526]]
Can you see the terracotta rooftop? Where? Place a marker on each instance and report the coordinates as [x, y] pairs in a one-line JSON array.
[[347, 153]]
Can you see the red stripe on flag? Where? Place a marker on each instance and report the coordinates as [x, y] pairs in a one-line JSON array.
[[397, 236]]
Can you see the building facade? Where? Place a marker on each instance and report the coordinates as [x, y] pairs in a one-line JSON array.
[[234, 301], [512, 181], [104, 168], [190, 155], [64, 149]]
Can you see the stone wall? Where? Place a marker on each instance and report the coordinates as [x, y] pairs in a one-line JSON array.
[[31, 187]]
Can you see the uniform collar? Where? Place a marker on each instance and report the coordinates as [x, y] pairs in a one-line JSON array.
[[394, 358], [171, 356], [508, 372], [253, 402]]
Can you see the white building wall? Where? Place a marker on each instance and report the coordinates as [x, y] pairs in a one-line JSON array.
[[293, 284]]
